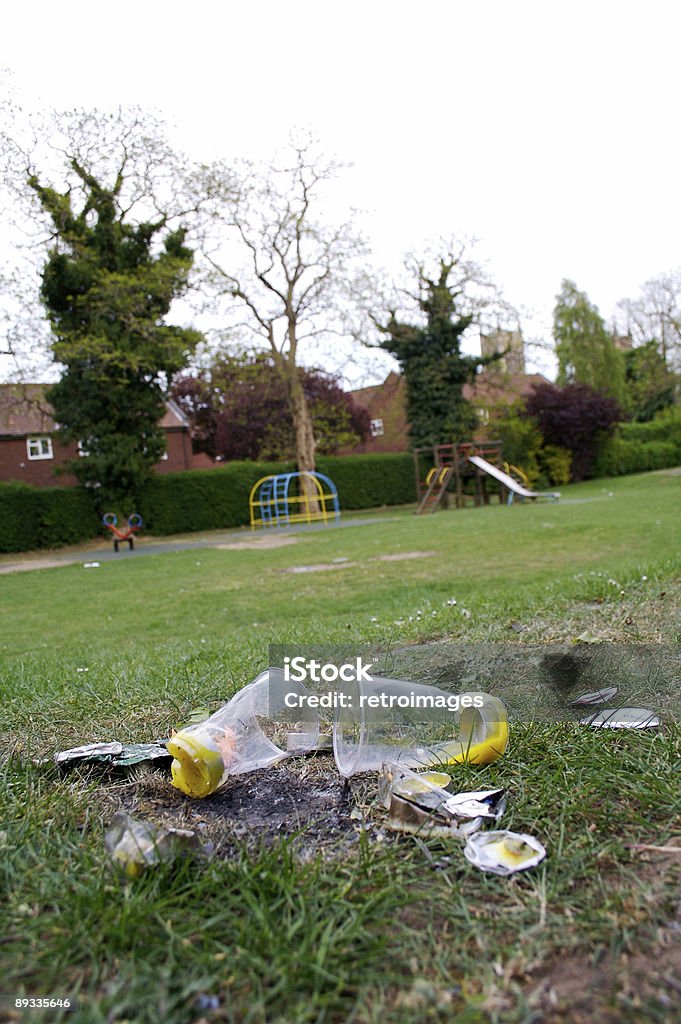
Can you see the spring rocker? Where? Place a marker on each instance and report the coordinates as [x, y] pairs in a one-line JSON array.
[[273, 503], [110, 520]]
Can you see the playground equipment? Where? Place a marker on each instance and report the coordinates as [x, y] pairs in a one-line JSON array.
[[272, 503], [437, 482], [512, 486], [110, 520], [455, 459]]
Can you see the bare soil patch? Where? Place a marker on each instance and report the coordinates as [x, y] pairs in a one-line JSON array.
[[254, 545]]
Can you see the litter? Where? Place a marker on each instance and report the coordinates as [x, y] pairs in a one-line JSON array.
[[115, 754], [421, 803], [89, 751], [91, 565], [249, 732], [623, 718], [137, 845], [426, 788], [503, 853], [598, 697], [486, 803], [419, 726]]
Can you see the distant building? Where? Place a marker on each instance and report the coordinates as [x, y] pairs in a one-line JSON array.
[[509, 342], [31, 451], [386, 404]]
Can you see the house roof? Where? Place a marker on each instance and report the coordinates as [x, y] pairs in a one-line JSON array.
[[25, 411], [489, 387]]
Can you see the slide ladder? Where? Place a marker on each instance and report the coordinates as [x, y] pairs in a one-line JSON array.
[[436, 484]]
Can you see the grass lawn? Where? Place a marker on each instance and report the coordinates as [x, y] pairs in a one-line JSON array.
[[385, 928]]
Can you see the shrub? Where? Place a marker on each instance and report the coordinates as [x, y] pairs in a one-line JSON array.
[[576, 417], [619, 456], [45, 517], [520, 437], [215, 499], [555, 463], [665, 427]]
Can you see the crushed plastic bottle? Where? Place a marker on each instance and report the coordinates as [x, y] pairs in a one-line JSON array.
[[248, 733]]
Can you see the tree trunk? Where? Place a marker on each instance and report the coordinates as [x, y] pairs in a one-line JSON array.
[[304, 435]]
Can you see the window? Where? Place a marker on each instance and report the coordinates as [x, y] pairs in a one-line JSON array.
[[483, 414], [83, 452], [376, 428], [39, 447]]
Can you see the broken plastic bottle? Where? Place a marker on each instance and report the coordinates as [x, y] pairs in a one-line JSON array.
[[249, 732], [416, 726]]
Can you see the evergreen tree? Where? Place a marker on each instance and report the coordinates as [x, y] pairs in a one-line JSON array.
[[107, 287], [430, 359]]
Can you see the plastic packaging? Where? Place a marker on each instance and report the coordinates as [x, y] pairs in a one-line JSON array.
[[249, 732], [421, 803], [416, 726], [504, 853]]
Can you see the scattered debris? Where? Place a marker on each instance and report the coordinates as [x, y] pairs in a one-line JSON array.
[[623, 718], [397, 779], [486, 803], [588, 638], [420, 802], [414, 816], [114, 754], [89, 751], [598, 697], [135, 845], [503, 853], [248, 733]]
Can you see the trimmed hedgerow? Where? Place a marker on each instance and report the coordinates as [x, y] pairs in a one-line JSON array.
[[369, 481], [45, 517], [618, 456], [203, 499], [216, 499]]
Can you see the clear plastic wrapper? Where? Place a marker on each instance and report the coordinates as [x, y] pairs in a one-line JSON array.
[[248, 733]]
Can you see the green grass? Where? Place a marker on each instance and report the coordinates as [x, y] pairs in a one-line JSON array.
[[396, 930]]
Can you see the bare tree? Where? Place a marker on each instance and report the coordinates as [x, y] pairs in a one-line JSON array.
[[655, 315], [281, 265]]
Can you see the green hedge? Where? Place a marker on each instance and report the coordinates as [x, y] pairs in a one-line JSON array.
[[619, 456], [369, 481], [201, 499], [45, 517], [665, 427], [217, 499]]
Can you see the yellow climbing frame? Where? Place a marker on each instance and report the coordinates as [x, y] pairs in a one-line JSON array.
[[270, 503]]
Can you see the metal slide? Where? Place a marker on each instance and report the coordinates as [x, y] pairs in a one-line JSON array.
[[512, 486]]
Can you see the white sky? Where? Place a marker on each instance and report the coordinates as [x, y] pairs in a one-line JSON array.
[[548, 130]]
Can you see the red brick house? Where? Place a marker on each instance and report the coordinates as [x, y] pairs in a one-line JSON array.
[[31, 452], [386, 404]]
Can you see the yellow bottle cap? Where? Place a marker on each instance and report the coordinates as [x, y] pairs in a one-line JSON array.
[[197, 769]]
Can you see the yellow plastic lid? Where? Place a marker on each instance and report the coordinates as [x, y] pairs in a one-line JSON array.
[[197, 769]]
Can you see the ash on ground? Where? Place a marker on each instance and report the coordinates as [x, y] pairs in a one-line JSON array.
[[302, 799]]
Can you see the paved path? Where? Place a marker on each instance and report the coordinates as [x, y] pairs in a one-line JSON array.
[[237, 540]]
